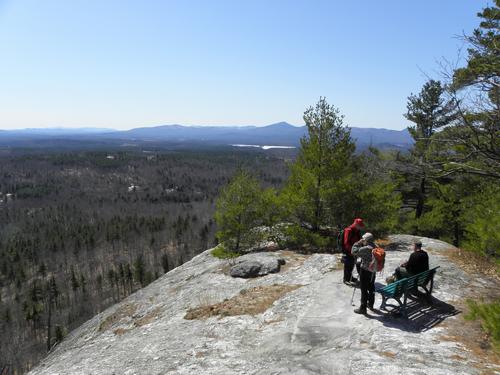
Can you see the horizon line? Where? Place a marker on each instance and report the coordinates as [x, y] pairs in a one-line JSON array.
[[97, 128]]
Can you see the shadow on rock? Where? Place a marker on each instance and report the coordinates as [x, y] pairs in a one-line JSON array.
[[421, 315]]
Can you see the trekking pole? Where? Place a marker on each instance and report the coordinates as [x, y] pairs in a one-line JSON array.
[[355, 284], [353, 292], [352, 298]]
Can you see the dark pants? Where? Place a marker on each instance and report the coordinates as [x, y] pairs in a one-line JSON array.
[[349, 262], [367, 286], [401, 273]]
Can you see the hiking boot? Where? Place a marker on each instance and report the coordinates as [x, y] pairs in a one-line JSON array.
[[371, 308], [360, 310], [352, 283]]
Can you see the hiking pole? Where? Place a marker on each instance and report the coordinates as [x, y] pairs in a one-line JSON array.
[[355, 284], [352, 298]]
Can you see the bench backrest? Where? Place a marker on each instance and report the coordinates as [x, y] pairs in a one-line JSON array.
[[396, 288], [420, 279]]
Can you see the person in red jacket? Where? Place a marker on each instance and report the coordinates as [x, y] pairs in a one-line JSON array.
[[352, 234]]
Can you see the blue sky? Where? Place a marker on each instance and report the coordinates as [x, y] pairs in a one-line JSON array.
[[124, 64]]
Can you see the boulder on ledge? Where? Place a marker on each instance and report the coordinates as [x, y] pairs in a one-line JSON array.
[[256, 264]]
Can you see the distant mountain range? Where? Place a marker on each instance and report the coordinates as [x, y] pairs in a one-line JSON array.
[[279, 134]]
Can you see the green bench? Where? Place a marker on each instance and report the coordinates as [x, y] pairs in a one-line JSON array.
[[402, 289]]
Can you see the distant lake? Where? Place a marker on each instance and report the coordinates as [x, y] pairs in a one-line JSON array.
[[265, 147]]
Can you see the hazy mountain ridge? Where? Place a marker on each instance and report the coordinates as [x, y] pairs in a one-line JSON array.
[[281, 134]]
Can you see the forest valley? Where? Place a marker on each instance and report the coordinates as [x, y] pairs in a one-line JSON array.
[[81, 230]]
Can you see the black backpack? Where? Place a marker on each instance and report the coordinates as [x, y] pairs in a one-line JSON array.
[[340, 241]]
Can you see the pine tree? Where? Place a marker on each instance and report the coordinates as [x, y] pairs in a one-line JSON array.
[[60, 333], [238, 212], [430, 111], [75, 284], [164, 262], [140, 270], [111, 280], [52, 296], [129, 276], [475, 89], [83, 283], [321, 176], [375, 196]]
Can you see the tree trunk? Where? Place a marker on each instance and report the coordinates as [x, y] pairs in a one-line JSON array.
[[456, 227], [317, 213], [49, 322], [238, 242], [421, 199], [238, 235]]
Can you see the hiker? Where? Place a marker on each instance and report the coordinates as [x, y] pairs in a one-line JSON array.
[[351, 235], [417, 263], [363, 249]]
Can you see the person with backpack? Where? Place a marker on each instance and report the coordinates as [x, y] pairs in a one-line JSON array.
[[372, 261], [349, 236]]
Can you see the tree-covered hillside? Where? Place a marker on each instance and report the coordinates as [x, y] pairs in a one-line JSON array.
[[80, 231]]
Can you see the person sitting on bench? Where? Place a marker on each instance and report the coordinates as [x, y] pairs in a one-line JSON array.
[[418, 262]]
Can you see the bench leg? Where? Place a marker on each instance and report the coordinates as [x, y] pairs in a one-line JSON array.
[[432, 285], [427, 295], [382, 305], [403, 307], [428, 291]]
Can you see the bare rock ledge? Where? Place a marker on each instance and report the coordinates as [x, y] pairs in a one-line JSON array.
[[307, 326]]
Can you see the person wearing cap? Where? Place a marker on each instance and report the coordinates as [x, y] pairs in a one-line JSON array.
[[417, 263], [363, 249], [352, 234]]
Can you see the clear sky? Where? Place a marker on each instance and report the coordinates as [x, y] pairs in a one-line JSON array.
[[123, 64]]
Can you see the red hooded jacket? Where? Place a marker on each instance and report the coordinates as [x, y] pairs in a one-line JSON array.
[[351, 236]]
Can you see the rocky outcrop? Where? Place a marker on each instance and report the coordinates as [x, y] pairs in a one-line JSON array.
[[197, 319], [256, 264]]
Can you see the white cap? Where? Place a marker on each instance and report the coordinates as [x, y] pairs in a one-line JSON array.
[[367, 237]]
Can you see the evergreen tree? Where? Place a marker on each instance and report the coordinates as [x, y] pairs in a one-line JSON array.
[[164, 262], [140, 270], [60, 333], [75, 284], [52, 295], [83, 283], [129, 276], [481, 220], [375, 197], [430, 111], [98, 282], [7, 317], [321, 176], [475, 89], [239, 212]]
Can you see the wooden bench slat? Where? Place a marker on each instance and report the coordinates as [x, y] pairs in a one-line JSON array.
[[406, 286]]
